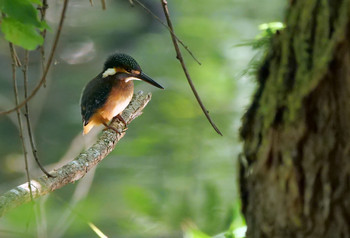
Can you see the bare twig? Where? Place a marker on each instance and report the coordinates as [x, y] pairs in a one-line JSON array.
[[77, 168], [26, 114], [169, 29], [20, 125], [180, 58], [43, 34], [15, 56], [53, 49], [103, 4]]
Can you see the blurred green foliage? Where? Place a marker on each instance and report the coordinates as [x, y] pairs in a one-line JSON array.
[[171, 175]]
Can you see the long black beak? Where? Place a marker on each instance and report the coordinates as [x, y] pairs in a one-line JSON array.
[[148, 79]]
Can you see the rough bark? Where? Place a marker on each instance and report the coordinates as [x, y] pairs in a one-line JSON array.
[[295, 168], [78, 167]]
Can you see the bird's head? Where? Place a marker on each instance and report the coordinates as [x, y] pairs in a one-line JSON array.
[[126, 65]]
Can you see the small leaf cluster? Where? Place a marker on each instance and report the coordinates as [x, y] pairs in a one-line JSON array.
[[263, 39], [20, 23], [261, 44]]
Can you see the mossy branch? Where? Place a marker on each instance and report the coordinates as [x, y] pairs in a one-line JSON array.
[[77, 168]]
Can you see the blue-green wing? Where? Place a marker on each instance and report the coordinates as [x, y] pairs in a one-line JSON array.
[[94, 96]]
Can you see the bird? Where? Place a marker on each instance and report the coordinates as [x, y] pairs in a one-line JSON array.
[[109, 93]]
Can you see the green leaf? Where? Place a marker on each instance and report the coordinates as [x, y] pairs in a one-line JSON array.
[[20, 34], [273, 26], [45, 26], [21, 10], [36, 2], [195, 233]]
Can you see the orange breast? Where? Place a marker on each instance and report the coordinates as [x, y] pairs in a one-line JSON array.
[[119, 98], [117, 101]]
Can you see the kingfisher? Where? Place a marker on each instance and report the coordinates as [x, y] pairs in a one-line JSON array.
[[109, 93]]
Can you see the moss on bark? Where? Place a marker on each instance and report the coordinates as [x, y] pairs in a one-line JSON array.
[[295, 169]]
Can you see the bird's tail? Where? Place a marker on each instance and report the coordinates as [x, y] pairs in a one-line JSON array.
[[88, 127]]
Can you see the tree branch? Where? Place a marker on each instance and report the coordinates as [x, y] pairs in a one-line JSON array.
[[182, 62], [19, 119], [77, 168], [26, 114]]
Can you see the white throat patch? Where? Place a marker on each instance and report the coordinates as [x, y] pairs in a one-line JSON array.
[[110, 71], [131, 78]]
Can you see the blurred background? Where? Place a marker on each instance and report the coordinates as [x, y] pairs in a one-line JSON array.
[[171, 175]]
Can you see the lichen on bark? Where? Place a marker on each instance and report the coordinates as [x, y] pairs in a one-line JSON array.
[[294, 131]]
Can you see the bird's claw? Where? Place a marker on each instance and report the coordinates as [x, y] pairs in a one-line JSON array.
[[122, 120], [115, 129], [112, 128]]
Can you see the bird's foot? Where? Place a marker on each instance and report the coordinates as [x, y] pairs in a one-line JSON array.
[[122, 120], [113, 128]]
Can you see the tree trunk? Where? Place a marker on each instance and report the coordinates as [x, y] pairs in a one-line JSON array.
[[295, 168]]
